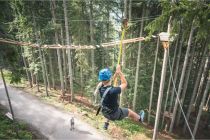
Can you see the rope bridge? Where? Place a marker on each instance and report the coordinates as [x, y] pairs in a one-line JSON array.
[[76, 47]]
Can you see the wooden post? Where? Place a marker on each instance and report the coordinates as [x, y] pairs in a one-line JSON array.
[[169, 85], [162, 82]]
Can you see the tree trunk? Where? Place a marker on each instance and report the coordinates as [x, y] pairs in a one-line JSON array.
[[153, 80], [33, 78], [36, 73], [186, 84], [52, 75], [200, 89], [130, 10], [69, 52], [182, 77], [176, 73], [53, 4], [123, 50], [138, 63], [26, 68], [43, 71], [40, 57], [64, 60], [201, 106], [195, 88], [46, 69], [91, 36]]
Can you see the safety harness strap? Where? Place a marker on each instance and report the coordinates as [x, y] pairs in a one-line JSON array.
[[102, 99]]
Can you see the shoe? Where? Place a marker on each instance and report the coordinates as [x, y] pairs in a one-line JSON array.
[[106, 125], [142, 114]]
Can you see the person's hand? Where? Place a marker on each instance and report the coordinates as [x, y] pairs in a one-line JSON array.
[[118, 69]]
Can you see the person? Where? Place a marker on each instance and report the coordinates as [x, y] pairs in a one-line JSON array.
[[110, 106]]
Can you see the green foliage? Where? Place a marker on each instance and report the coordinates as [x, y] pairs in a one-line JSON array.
[[7, 129]]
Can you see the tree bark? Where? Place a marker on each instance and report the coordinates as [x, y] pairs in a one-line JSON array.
[[36, 73], [153, 80], [182, 77], [51, 69], [186, 84], [195, 88], [203, 79], [123, 50], [64, 60], [26, 68], [91, 36], [43, 71], [176, 73], [53, 4], [40, 57], [68, 42], [130, 10], [46, 70], [201, 106], [138, 63]]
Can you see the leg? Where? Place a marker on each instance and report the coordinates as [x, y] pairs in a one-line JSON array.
[[106, 124], [133, 115]]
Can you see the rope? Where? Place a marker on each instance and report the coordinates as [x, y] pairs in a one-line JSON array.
[[170, 67], [120, 47], [120, 51]]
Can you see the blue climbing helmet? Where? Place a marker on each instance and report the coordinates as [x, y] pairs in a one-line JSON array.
[[105, 74]]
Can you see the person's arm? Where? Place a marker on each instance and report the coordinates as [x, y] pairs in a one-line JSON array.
[[114, 77], [122, 78], [97, 88], [123, 81]]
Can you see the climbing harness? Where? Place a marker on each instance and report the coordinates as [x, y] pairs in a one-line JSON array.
[[102, 100]]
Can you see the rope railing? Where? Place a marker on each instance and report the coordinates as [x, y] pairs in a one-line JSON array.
[[76, 47]]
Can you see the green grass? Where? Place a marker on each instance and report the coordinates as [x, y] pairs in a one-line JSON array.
[[7, 129], [131, 127]]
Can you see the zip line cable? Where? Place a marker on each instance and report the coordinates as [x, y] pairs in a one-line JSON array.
[[172, 79]]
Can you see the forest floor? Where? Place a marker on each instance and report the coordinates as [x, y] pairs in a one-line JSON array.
[[83, 110]]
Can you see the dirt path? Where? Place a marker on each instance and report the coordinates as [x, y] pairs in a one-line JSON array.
[[50, 121]]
